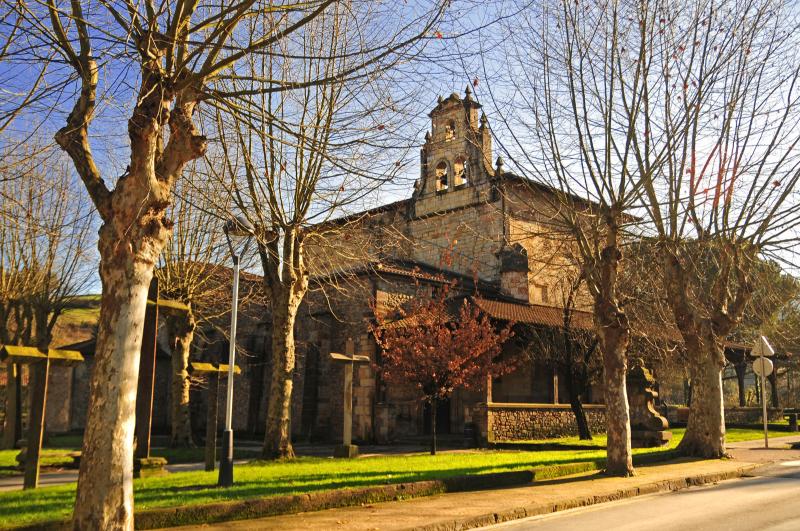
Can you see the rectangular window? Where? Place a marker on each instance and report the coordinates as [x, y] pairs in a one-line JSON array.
[[541, 293]]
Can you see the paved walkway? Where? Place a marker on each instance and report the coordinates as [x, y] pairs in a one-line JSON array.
[[64, 476]]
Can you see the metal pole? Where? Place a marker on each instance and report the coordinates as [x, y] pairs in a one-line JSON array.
[[764, 399], [226, 459]]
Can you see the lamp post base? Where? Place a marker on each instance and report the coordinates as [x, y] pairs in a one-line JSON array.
[[226, 460]]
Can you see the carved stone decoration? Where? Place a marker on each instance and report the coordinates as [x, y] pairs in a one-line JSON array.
[[648, 427]]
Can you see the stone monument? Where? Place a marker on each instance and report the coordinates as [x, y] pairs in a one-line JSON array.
[[648, 427]]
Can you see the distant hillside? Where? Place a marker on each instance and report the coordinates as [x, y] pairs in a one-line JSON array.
[[78, 322]]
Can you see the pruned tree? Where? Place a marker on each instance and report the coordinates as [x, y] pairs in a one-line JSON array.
[[439, 347], [44, 257], [571, 106], [297, 159], [190, 270], [163, 62], [726, 198]]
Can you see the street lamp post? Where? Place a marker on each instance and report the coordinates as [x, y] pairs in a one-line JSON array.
[[235, 227]]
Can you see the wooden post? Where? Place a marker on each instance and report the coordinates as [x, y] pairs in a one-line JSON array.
[[38, 362], [39, 377], [13, 422], [212, 413], [147, 374], [212, 407], [347, 429], [555, 386]]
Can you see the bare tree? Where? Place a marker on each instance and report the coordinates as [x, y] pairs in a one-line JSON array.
[[297, 159], [726, 198], [189, 271], [571, 105], [44, 257], [162, 62]]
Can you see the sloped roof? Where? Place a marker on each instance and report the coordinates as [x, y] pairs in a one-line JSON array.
[[532, 313]]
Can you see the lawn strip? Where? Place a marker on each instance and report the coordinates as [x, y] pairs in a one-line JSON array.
[[321, 500]]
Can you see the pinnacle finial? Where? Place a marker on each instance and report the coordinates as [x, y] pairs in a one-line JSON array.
[[440, 99], [499, 164], [427, 136], [468, 93], [484, 119]]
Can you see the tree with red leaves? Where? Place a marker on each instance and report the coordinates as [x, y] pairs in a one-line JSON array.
[[439, 346]]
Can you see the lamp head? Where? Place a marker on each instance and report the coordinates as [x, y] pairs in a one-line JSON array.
[[238, 226]]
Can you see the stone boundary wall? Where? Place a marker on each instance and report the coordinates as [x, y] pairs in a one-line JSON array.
[[733, 415], [520, 422]]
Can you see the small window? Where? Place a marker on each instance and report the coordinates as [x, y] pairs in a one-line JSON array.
[[541, 293], [460, 172], [450, 130], [441, 176]]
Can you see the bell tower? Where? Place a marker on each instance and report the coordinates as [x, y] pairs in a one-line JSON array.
[[458, 149]]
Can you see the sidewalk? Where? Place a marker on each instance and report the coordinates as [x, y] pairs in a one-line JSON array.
[[63, 476], [474, 509]]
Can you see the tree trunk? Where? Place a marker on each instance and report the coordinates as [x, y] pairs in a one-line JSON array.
[[584, 433], [618, 423], [278, 438], [576, 388], [741, 371], [12, 428], [613, 333], [433, 425], [104, 498], [181, 327], [773, 387], [705, 430]]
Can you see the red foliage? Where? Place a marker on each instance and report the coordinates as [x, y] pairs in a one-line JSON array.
[[438, 350]]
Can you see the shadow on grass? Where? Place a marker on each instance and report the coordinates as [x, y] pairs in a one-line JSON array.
[[288, 478]]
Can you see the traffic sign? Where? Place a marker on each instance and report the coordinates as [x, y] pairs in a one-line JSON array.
[[762, 365], [762, 348]]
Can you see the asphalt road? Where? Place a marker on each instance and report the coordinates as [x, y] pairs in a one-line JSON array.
[[766, 501]]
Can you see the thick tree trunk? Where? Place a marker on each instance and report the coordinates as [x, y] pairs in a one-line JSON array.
[[278, 438], [104, 499], [619, 460], [705, 430], [613, 333], [434, 406], [181, 328], [134, 232]]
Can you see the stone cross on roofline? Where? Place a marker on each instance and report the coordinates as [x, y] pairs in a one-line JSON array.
[[349, 358]]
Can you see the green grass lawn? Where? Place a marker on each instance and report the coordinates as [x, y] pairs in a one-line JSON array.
[[264, 479]]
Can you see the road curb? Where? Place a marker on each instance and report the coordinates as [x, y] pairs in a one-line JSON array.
[[518, 513]]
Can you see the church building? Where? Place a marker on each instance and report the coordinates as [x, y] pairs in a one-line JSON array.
[[470, 222]]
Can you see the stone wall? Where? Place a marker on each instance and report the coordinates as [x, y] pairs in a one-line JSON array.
[[733, 415], [519, 422]]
